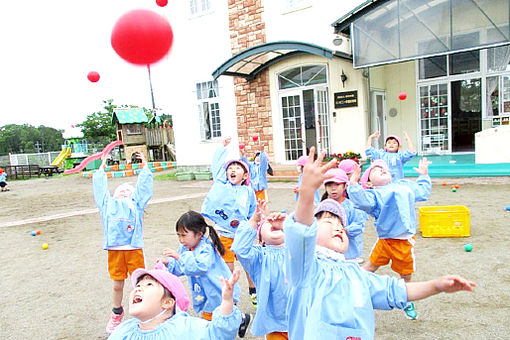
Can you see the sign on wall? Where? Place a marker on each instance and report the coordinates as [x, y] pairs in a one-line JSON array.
[[346, 99]]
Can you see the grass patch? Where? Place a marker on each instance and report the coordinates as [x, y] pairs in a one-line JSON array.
[[169, 176]]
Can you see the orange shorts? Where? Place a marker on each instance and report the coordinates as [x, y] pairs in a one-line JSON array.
[[207, 316], [262, 195], [400, 252], [277, 336], [121, 262], [229, 256]]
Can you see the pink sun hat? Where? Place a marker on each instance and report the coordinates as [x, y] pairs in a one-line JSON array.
[[377, 163], [245, 166], [302, 160], [167, 280], [347, 165], [336, 175], [395, 137]]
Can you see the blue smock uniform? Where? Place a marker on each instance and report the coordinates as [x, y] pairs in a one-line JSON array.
[[122, 218], [392, 205], [258, 178], [331, 298], [316, 197], [183, 326], [395, 160], [355, 227], [266, 267], [203, 267], [227, 204], [3, 177]]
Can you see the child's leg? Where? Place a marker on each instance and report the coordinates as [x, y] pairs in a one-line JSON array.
[[403, 263], [370, 267], [229, 256], [378, 256], [118, 292]]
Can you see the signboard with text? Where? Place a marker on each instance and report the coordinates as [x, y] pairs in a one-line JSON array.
[[346, 99]]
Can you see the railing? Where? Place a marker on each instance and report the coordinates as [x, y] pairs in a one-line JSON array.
[[21, 171]]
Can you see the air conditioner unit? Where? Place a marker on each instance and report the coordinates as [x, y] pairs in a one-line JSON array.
[[341, 43]]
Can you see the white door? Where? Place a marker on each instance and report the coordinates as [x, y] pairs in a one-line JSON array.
[[378, 116], [291, 104], [322, 118]]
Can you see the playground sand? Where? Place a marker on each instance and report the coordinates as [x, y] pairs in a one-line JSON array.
[[64, 292]]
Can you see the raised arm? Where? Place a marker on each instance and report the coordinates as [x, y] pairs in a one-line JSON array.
[[219, 157], [144, 184], [100, 184], [445, 284], [410, 145], [371, 138]]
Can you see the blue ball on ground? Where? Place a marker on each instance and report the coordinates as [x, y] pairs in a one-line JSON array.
[[33, 233], [468, 247], [507, 208]]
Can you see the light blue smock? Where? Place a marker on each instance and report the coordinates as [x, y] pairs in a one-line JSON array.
[[235, 202], [183, 326], [3, 177], [332, 299], [392, 205], [122, 218], [356, 220], [203, 266], [266, 267], [316, 197], [395, 160], [258, 172]]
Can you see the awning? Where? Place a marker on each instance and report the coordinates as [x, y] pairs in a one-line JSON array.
[[389, 31], [254, 60]]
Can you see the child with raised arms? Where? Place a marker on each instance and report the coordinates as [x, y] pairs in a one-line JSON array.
[[331, 298], [391, 154], [258, 171], [122, 218], [265, 262], [392, 206], [300, 164], [199, 258], [158, 304]]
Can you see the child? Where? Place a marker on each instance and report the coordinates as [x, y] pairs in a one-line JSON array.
[[258, 170], [391, 154], [122, 218], [159, 302], [348, 165], [331, 298], [336, 186], [200, 260], [265, 262], [3, 180], [392, 206], [230, 201], [300, 164]]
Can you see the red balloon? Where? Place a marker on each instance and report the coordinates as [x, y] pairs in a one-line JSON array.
[[162, 3], [93, 76], [142, 37], [255, 138], [241, 146], [402, 95]]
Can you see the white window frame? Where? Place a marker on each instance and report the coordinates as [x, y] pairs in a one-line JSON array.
[[208, 106], [199, 7]]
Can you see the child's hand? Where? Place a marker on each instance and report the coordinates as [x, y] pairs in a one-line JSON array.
[[141, 156], [169, 252], [258, 214], [314, 172], [227, 286], [276, 219], [406, 136], [423, 167], [454, 283], [296, 190], [163, 260], [356, 175], [227, 141], [104, 158], [375, 135]]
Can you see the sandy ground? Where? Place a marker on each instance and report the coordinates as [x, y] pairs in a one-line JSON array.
[[65, 292]]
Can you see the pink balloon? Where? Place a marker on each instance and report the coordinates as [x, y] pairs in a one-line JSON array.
[[93, 76], [402, 95], [162, 3], [142, 37], [241, 146]]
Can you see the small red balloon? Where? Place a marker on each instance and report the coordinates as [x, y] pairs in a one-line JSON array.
[[93, 76], [255, 138], [162, 3], [142, 37], [402, 95], [241, 146]]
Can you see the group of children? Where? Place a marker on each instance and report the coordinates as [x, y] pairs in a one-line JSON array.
[[303, 268]]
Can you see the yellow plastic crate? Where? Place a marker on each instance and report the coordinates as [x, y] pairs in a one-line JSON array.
[[444, 221]]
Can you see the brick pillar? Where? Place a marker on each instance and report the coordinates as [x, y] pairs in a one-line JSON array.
[[253, 102]]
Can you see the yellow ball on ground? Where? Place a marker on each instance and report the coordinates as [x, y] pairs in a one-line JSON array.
[[45, 246]]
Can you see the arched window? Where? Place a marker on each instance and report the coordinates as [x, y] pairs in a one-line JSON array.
[[302, 76]]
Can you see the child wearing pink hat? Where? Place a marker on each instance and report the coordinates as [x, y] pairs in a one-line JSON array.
[[300, 164], [392, 206], [336, 185], [391, 154], [158, 304]]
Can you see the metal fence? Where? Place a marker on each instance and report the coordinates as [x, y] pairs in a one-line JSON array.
[[31, 158]]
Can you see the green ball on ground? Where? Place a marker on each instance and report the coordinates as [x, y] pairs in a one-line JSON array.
[[468, 247]]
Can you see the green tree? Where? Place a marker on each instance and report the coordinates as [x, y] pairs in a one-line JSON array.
[[98, 125], [29, 139]]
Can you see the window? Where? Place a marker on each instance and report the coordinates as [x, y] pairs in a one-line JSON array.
[[134, 129], [302, 76], [199, 6], [209, 110]]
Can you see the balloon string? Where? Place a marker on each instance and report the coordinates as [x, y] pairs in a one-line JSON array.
[[150, 83]]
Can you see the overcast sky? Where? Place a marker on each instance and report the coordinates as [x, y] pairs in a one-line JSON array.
[[47, 50]]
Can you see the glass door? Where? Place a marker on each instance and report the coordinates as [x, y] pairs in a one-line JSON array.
[[321, 108], [466, 113], [434, 118], [292, 115], [379, 116]]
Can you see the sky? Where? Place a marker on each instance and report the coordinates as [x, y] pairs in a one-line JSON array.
[[49, 47]]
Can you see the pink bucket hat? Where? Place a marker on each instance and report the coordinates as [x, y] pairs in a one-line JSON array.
[[395, 137], [167, 280], [336, 175], [347, 165], [302, 160], [377, 163], [245, 166], [333, 207]]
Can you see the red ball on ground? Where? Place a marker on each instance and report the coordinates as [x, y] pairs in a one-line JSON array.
[[402, 95], [162, 3], [142, 37], [93, 76]]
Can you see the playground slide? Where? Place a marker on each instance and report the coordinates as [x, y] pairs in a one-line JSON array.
[[90, 158], [66, 152]]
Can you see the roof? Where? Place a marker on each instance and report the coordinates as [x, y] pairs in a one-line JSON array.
[[343, 24], [129, 116], [254, 60]]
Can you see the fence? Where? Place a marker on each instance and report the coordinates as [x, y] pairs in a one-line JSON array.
[[33, 158], [21, 171]]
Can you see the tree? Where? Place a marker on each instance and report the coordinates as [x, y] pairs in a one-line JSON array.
[[29, 139], [98, 125]]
